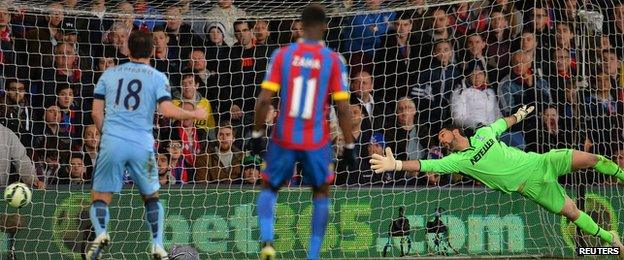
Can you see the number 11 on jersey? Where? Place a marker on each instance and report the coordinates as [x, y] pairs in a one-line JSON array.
[[308, 103]]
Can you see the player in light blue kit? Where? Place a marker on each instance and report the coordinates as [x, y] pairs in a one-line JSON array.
[[130, 93]]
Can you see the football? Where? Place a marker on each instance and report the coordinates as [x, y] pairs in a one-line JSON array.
[[17, 195]]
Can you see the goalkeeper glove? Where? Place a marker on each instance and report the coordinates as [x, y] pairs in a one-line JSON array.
[[523, 112], [381, 164]]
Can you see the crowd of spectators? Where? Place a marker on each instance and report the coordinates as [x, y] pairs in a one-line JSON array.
[[411, 72]]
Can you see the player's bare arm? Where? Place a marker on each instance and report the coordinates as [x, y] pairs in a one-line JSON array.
[[344, 120], [263, 104], [97, 113], [168, 109]]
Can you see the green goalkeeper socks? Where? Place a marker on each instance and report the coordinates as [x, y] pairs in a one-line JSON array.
[[608, 167], [587, 224]]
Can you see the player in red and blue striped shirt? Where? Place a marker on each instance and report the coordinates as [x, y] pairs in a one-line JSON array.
[[304, 75]]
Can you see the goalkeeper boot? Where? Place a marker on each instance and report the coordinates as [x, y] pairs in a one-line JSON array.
[[159, 253], [268, 252], [615, 242], [98, 245]]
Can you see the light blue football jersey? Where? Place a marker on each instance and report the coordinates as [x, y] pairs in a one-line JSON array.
[[131, 92]]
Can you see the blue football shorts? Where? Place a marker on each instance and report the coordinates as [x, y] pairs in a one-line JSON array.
[[117, 156], [280, 165]]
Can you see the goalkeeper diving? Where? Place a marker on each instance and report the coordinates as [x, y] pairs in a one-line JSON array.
[[490, 161]]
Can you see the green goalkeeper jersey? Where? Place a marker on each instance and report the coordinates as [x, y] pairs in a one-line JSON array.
[[490, 161]]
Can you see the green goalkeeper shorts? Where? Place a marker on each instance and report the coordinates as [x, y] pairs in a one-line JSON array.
[[546, 191]]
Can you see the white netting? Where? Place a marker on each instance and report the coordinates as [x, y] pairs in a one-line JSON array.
[[254, 9], [414, 66]]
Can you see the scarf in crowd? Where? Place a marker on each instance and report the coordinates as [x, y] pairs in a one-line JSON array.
[[189, 147], [66, 125], [5, 36]]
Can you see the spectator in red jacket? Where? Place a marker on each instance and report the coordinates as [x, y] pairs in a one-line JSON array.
[[193, 139], [467, 18]]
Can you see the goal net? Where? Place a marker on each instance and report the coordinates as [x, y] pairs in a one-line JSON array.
[[414, 66]]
